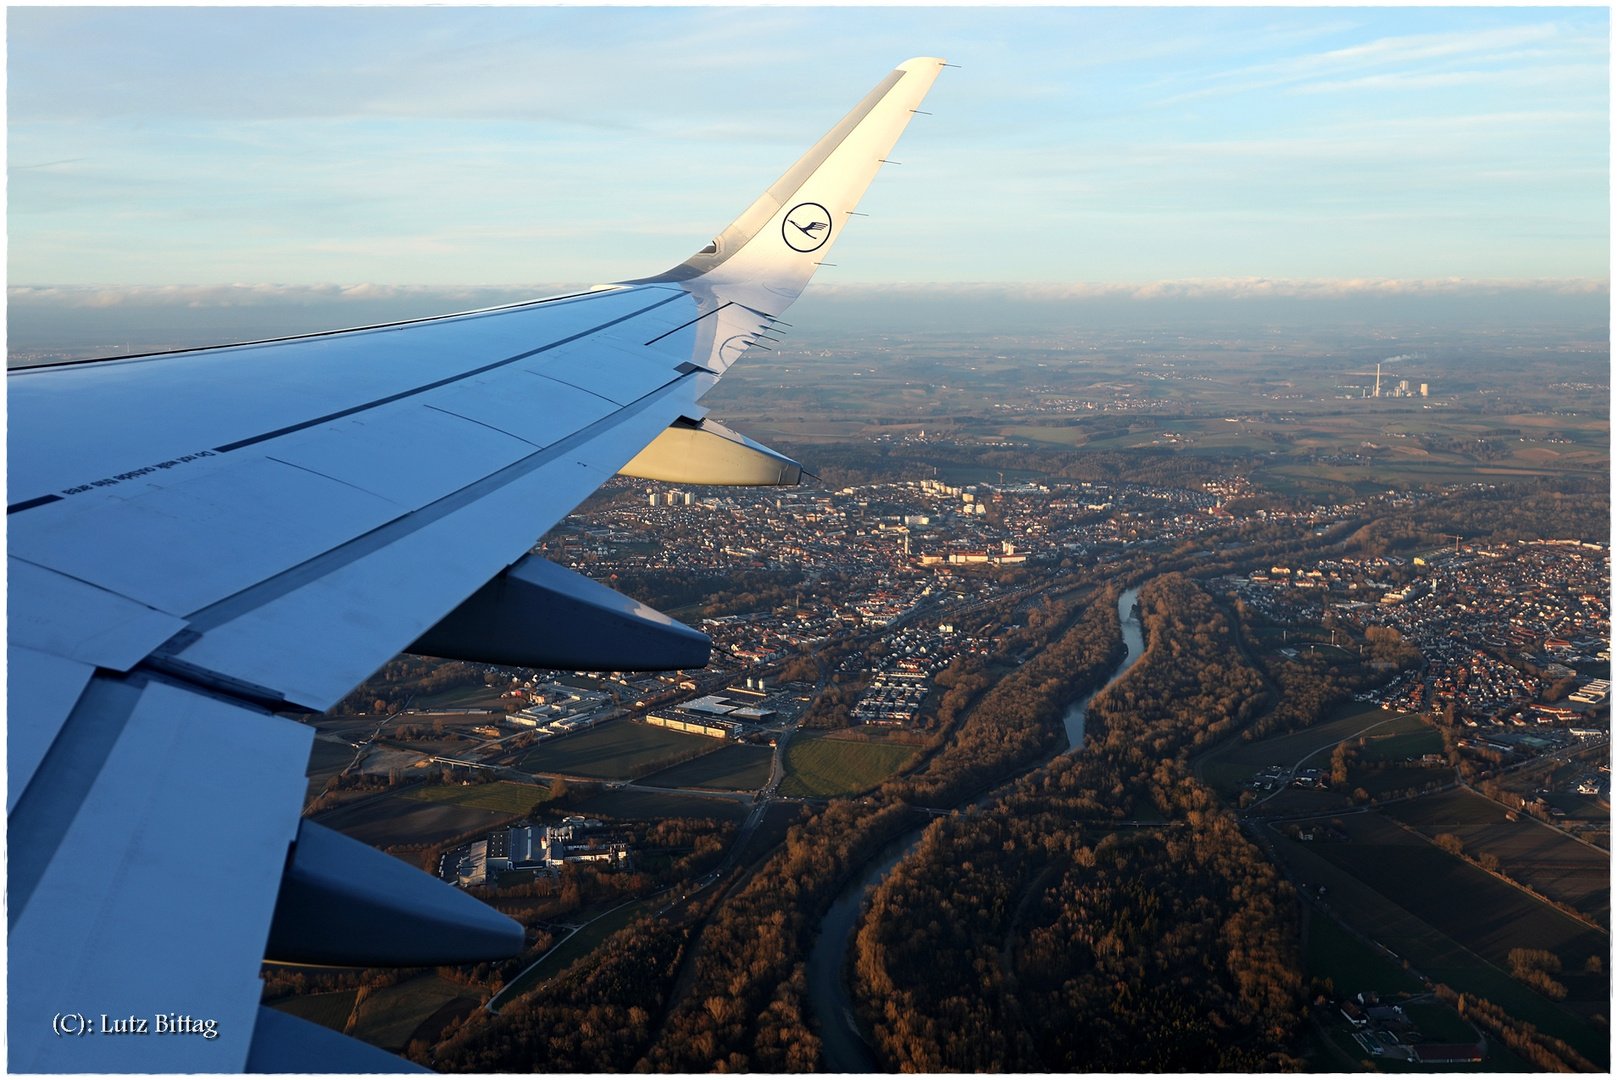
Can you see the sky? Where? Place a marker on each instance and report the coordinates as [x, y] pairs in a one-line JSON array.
[[501, 146]]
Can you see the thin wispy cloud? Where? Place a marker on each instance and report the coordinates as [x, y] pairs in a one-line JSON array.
[[530, 144]]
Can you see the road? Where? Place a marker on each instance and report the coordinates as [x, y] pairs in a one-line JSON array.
[[1291, 773]]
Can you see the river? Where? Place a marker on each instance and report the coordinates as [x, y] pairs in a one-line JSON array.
[[843, 1047], [1133, 642]]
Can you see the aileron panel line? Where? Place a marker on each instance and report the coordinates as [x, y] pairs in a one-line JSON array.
[[80, 425], [181, 548], [314, 641]]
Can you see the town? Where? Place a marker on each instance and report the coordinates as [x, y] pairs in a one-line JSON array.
[[1499, 633], [1398, 620]]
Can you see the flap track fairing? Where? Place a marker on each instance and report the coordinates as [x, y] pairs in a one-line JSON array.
[[344, 903], [538, 614], [707, 452]]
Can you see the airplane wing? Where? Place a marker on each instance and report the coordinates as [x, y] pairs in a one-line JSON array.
[[203, 541]]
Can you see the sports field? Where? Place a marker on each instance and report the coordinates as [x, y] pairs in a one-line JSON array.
[[733, 768], [820, 766], [1394, 743], [612, 751], [503, 795]]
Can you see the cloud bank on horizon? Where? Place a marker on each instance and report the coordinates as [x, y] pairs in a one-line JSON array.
[[1148, 151]]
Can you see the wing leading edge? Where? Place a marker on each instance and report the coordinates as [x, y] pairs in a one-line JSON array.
[[199, 540]]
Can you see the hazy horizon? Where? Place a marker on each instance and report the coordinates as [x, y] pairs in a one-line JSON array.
[[76, 321]]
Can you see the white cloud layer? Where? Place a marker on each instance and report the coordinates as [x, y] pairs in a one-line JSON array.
[[265, 294]]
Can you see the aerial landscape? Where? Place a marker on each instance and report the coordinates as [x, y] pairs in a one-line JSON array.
[[1200, 668], [1372, 710]]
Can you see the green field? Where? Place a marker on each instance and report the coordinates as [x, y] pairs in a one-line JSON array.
[[458, 697], [502, 795], [1387, 744], [1391, 783], [391, 1015], [734, 768], [326, 760], [327, 1010], [612, 751], [823, 766], [1439, 1023]]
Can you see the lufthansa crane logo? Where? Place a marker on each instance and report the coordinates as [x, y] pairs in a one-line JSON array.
[[807, 227]]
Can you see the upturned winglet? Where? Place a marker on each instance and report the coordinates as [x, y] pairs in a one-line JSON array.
[[767, 255]]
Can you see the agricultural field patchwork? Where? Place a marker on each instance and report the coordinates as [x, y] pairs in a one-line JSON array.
[[1528, 851], [328, 1010], [1476, 909], [399, 819], [1351, 965], [1228, 767], [1428, 949], [390, 1016]]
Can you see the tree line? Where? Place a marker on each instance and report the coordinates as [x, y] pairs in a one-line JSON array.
[[1018, 717], [1037, 935]]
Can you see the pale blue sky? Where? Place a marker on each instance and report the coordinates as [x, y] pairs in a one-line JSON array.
[[521, 145]]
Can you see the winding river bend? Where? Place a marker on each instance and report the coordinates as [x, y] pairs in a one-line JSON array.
[[1128, 613], [844, 1048]]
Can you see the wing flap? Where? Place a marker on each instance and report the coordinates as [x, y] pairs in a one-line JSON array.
[[407, 453], [606, 370], [40, 692], [75, 620], [538, 410], [288, 1044], [90, 424], [158, 890]]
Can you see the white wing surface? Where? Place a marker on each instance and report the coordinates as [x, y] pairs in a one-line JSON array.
[[201, 540]]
